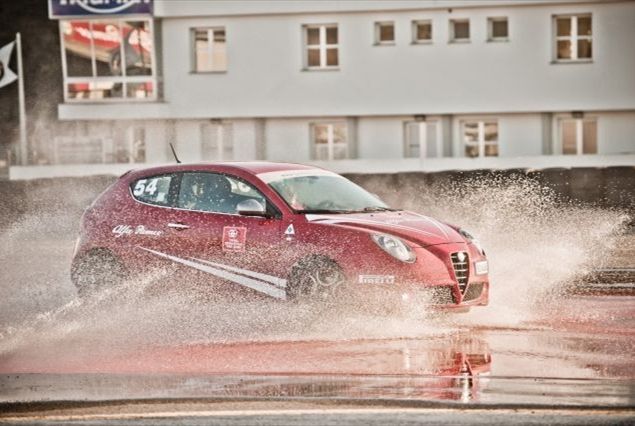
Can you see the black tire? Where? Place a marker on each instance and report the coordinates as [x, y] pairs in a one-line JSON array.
[[316, 278], [96, 271]]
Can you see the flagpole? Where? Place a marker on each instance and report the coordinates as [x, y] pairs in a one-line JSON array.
[[24, 152]]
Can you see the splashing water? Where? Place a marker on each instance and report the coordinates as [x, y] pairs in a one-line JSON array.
[[536, 244]]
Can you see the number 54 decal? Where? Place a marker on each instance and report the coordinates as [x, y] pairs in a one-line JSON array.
[[144, 186]]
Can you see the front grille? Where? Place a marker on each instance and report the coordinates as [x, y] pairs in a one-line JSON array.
[[473, 292], [440, 295], [461, 264]]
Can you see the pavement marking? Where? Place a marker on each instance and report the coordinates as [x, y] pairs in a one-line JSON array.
[[619, 411]]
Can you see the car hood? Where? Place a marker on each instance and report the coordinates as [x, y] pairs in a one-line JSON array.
[[418, 229]]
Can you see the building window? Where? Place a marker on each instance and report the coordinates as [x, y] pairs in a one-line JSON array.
[[497, 29], [217, 142], [322, 51], [574, 38], [422, 32], [101, 149], [134, 151], [384, 33], [480, 138], [459, 30], [108, 60], [330, 141], [209, 50], [578, 136], [422, 139]]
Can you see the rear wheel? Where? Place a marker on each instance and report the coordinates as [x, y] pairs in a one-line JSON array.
[[317, 278], [96, 271]]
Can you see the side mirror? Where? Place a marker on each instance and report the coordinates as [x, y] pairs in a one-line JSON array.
[[251, 208]]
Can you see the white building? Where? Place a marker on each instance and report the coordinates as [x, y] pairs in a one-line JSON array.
[[353, 85]]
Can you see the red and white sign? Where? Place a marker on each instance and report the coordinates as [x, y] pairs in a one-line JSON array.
[[234, 238]]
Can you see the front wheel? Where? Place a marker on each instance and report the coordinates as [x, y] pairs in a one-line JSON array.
[[96, 271], [317, 278]]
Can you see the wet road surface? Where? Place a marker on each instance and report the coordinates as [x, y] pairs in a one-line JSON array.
[[534, 356], [538, 369]]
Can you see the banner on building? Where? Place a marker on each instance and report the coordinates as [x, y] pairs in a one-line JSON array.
[[6, 75], [74, 8]]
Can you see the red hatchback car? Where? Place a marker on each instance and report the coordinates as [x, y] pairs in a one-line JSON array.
[[285, 231]]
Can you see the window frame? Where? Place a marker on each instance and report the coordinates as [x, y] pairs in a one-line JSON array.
[[414, 27], [223, 129], [330, 139], [579, 123], [322, 47], [452, 34], [173, 193], [123, 79], [423, 153], [481, 142], [573, 38], [210, 49], [490, 28], [378, 41], [273, 211]]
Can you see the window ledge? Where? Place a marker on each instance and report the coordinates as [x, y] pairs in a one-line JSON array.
[[311, 69], [422, 42], [208, 72], [498, 40], [460, 41], [571, 61], [112, 101], [385, 43]]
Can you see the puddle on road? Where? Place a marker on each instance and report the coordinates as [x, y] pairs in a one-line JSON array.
[[536, 247]]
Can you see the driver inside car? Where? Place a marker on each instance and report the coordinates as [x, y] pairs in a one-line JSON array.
[[211, 193]]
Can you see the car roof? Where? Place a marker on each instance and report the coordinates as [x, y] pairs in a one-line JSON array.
[[253, 167]]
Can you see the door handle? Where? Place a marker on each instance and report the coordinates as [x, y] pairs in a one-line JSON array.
[[178, 226]]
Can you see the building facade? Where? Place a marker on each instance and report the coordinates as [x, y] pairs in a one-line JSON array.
[[351, 85]]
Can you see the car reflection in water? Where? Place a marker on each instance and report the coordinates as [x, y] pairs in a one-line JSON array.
[[449, 368], [441, 367], [438, 368]]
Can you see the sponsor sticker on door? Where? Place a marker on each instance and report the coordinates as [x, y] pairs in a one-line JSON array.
[[234, 238]]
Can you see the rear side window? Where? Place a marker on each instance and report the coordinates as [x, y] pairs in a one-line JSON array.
[[152, 190]]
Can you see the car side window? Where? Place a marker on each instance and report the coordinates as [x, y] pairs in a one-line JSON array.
[[213, 192], [152, 190]]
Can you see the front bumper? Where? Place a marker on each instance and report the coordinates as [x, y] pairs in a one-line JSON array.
[[433, 278]]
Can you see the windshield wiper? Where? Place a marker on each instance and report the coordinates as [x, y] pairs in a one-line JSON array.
[[339, 211], [322, 211], [378, 209]]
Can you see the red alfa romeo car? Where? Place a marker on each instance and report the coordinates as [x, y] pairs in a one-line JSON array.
[[284, 231]]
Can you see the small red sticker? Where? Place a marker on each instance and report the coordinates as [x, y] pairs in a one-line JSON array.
[[234, 238]]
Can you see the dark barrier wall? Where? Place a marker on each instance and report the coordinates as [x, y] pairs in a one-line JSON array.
[[610, 187]]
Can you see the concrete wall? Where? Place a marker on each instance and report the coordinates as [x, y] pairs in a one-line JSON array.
[[287, 140], [616, 132], [381, 137]]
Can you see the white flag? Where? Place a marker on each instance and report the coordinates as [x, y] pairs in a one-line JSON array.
[[6, 75]]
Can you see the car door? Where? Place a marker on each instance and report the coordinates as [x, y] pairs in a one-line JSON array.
[[145, 226], [228, 252]]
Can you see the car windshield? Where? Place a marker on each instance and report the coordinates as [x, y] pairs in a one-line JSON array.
[[325, 193]]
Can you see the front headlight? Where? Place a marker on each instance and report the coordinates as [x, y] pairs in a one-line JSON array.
[[473, 240], [395, 247]]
